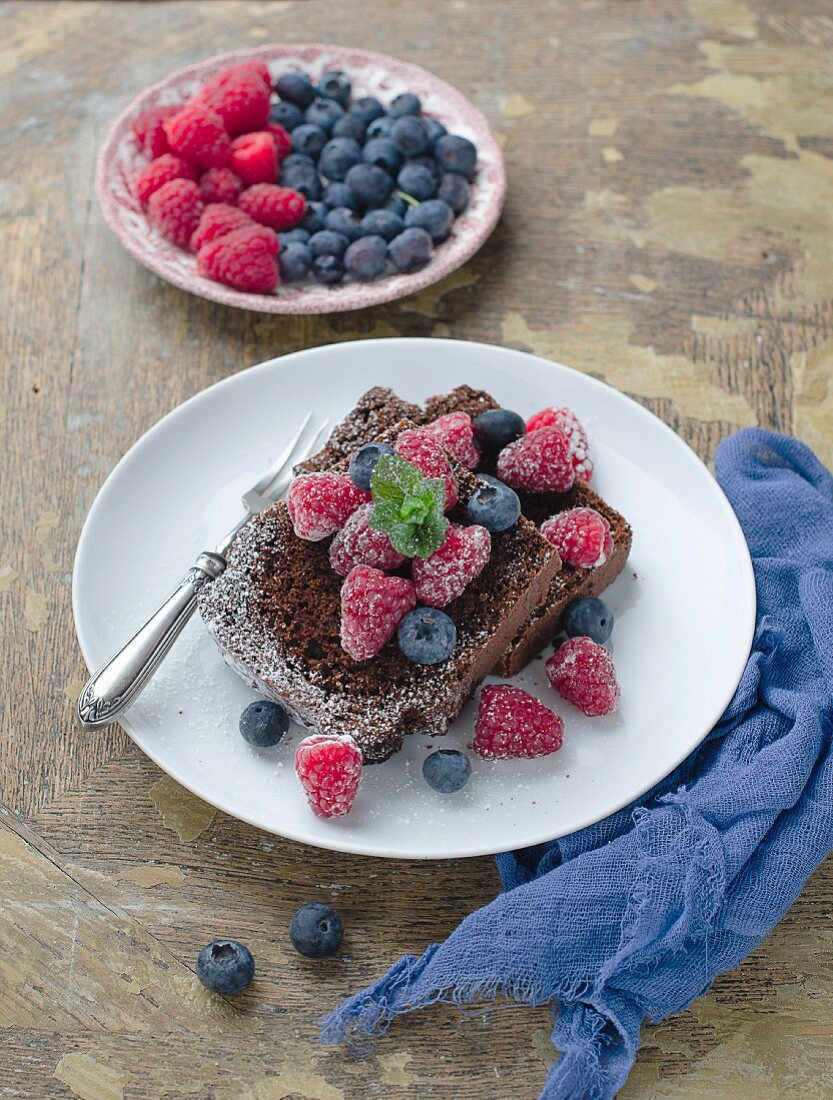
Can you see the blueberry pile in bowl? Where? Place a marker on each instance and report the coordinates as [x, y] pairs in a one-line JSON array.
[[291, 181]]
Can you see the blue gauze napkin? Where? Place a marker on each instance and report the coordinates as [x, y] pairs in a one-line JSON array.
[[633, 918]]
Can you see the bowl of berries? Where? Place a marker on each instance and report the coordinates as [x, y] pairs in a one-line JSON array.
[[301, 179]]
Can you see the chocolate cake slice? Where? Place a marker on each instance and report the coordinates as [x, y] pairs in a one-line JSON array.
[[571, 582], [275, 614]]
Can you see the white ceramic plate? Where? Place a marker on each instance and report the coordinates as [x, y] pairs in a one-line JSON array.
[[685, 605]]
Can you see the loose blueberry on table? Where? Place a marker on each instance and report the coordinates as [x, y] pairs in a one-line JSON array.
[[388, 180], [225, 966], [316, 931]]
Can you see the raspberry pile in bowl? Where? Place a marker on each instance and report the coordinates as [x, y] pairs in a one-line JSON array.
[[300, 182]]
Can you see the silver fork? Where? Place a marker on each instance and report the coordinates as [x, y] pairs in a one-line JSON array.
[[118, 684]]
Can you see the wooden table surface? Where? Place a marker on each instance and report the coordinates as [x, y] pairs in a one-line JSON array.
[[669, 228]]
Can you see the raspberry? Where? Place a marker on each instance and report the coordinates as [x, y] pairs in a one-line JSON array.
[[278, 207], [444, 575], [197, 134], [454, 432], [254, 158], [582, 672], [422, 450], [329, 767], [175, 209], [283, 142], [372, 605], [220, 185], [580, 535], [150, 132], [240, 97], [218, 219], [321, 503], [162, 170], [538, 462], [245, 259], [358, 544], [512, 724], [572, 427]]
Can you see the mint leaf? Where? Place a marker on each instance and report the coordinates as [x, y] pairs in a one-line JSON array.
[[409, 508]]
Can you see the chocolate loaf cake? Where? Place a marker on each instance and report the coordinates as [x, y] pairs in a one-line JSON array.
[[275, 614], [571, 582]]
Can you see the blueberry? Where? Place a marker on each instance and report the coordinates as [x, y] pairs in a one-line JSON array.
[[366, 258], [345, 221], [294, 262], [370, 184], [446, 770], [411, 249], [328, 243], [363, 461], [397, 205], [417, 182], [426, 636], [309, 139], [426, 161], [295, 88], [367, 108], [323, 112], [411, 135], [349, 126], [494, 506], [303, 178], [497, 428], [590, 617], [335, 85], [435, 129], [338, 156], [293, 236], [456, 154], [385, 153], [454, 189], [405, 104], [264, 723], [328, 270], [286, 114], [297, 160], [313, 220], [225, 966], [434, 216], [382, 223], [380, 127], [339, 194], [316, 931]]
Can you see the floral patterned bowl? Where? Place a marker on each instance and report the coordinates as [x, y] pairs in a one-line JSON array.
[[120, 161]]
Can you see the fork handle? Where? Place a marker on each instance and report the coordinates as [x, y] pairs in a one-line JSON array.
[[115, 686]]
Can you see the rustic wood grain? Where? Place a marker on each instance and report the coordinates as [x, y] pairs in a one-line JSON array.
[[668, 229]]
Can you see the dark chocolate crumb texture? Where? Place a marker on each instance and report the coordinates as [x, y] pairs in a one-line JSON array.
[[275, 614]]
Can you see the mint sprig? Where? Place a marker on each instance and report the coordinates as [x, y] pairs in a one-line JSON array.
[[409, 508]]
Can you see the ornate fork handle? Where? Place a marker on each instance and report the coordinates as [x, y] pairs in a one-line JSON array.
[[115, 686]]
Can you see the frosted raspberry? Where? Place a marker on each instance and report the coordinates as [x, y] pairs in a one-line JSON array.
[[278, 207], [240, 96], [358, 544], [455, 432], [175, 209], [372, 605], [582, 671], [220, 185], [197, 134], [150, 132], [572, 427], [580, 535], [283, 140], [444, 575], [420, 448], [245, 259], [254, 158], [512, 724], [538, 462], [217, 219], [321, 503], [329, 767], [162, 170]]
